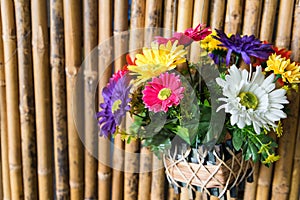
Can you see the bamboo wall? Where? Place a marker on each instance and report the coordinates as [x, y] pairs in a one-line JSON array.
[[42, 47]]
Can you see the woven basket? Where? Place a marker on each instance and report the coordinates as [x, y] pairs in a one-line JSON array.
[[222, 174]]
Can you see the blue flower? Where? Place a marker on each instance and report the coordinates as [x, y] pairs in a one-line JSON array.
[[115, 105], [246, 46]]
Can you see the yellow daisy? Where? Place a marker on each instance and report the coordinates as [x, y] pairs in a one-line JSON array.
[[271, 158], [290, 72], [157, 60], [209, 43]]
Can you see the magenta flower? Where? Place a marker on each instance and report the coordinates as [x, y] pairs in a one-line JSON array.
[[163, 92], [186, 38]]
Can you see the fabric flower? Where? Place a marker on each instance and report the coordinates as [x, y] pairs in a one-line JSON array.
[[119, 74], [290, 72], [271, 158], [252, 99], [209, 43], [163, 92], [246, 46], [284, 53], [115, 105], [186, 38], [218, 59], [157, 60]]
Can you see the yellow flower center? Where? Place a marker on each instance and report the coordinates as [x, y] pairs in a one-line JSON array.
[[164, 94], [116, 105], [248, 99]]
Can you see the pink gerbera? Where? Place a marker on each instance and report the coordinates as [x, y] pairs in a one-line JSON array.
[[163, 92]]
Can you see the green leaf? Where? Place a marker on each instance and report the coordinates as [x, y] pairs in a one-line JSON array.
[[248, 153], [206, 103], [254, 152], [237, 139], [184, 134]]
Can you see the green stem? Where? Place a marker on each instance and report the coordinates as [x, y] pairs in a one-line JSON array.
[[138, 115], [237, 60], [276, 78], [190, 74]]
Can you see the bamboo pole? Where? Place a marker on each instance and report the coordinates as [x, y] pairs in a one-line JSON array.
[[267, 20], [90, 25], [295, 182], [200, 16], [265, 178], [283, 167], [136, 42], [250, 188], [13, 116], [153, 19], [200, 196], [252, 12], [153, 12], [217, 14], [1, 177], [284, 26], [120, 46], [282, 170], [264, 182], [295, 46], [72, 16], [145, 175], [169, 19], [184, 193], [137, 21], [184, 15], [41, 70], [233, 19], [121, 37], [105, 32], [172, 195], [3, 124], [28, 137], [59, 113], [158, 179]]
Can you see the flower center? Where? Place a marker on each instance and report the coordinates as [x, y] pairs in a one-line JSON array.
[[116, 105], [248, 99], [164, 94]]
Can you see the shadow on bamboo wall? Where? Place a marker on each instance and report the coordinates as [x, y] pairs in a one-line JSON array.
[[42, 48]]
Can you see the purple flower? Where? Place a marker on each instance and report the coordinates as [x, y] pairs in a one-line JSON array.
[[115, 105], [246, 46], [218, 59]]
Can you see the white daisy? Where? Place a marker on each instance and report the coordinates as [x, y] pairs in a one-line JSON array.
[[252, 100]]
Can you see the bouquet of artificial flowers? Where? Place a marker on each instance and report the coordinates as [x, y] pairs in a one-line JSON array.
[[167, 98]]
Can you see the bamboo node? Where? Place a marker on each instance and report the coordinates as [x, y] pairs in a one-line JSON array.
[[41, 45], [2, 83], [74, 184], [44, 172], [104, 176], [56, 62], [90, 76], [9, 37], [71, 71], [62, 192], [14, 167]]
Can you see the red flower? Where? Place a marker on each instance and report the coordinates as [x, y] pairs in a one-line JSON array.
[[283, 52]]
